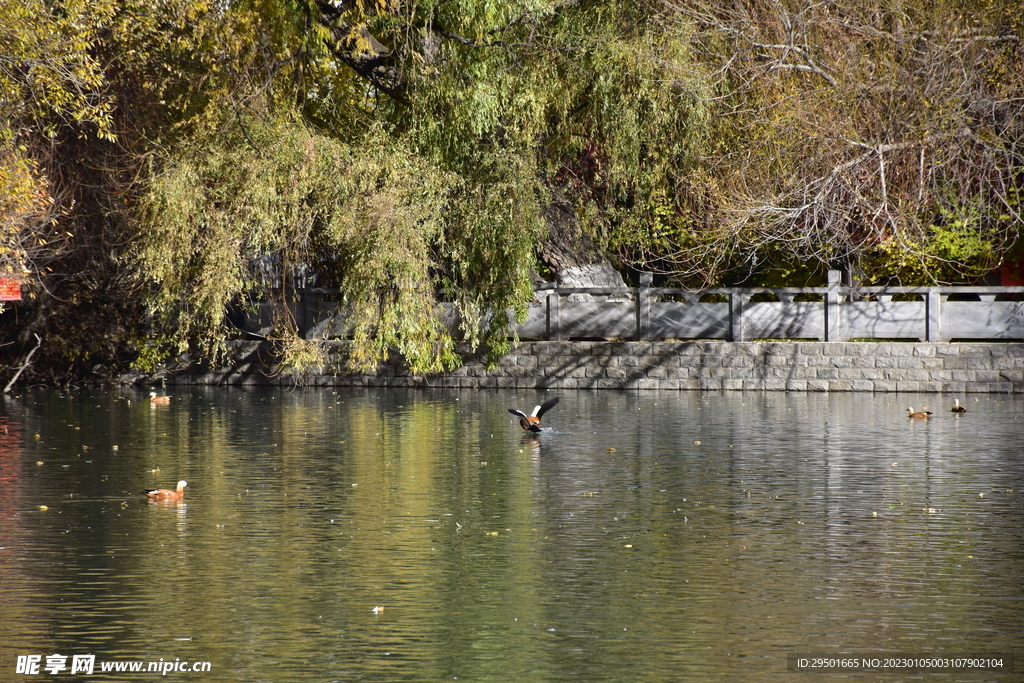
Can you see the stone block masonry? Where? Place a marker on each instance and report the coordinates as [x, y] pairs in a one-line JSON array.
[[697, 365]]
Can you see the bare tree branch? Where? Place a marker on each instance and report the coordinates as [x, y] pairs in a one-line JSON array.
[[28, 360]]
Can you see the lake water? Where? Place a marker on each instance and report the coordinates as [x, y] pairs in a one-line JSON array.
[[643, 536]]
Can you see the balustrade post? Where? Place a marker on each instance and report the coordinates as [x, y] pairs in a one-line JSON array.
[[833, 327], [737, 302], [554, 323], [643, 307], [932, 315]]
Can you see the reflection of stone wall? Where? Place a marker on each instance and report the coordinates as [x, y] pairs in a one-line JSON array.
[[702, 365]]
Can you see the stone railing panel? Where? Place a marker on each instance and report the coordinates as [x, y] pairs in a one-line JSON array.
[[982, 320], [884, 319], [784, 320], [684, 320]]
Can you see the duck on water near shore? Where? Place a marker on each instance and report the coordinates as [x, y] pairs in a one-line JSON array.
[[957, 408], [923, 415], [531, 423]]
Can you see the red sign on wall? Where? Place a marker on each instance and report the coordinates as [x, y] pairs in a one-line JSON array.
[[10, 290]]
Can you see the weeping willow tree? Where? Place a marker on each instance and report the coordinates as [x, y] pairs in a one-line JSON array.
[[407, 152], [303, 166], [244, 216], [605, 104]]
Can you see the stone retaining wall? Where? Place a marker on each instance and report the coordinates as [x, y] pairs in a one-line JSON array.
[[701, 365]]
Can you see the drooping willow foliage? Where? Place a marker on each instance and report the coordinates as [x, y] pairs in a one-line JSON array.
[[427, 183], [278, 198]]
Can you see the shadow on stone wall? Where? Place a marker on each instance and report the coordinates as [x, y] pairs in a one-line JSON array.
[[697, 365]]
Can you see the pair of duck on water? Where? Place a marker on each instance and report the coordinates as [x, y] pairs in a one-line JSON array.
[[530, 423], [925, 414]]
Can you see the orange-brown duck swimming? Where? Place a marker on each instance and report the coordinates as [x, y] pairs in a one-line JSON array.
[[161, 495]]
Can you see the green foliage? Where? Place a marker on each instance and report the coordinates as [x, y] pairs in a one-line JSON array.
[[951, 250], [492, 223], [47, 74], [603, 98], [242, 211], [48, 80]]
